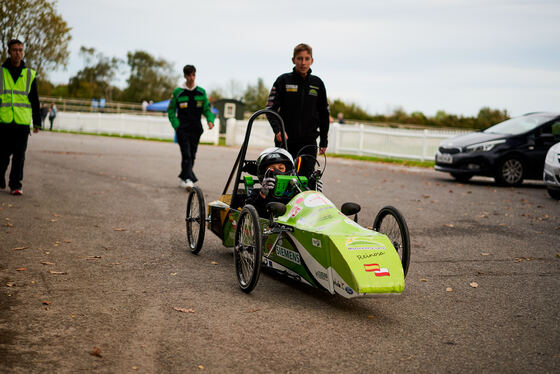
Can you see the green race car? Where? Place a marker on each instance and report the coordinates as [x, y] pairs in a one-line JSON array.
[[308, 239]]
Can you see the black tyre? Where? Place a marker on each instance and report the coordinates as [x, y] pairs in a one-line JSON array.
[[510, 172], [195, 220], [459, 177], [389, 221], [555, 194], [247, 250]]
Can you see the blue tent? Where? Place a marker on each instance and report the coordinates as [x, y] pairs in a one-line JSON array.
[[161, 106]]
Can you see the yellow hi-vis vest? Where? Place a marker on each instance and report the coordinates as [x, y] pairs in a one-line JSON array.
[[14, 103]]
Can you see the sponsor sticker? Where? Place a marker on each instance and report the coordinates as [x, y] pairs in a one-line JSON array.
[[295, 210], [357, 244], [314, 200], [316, 242], [377, 270], [183, 105], [322, 275], [291, 88], [288, 255]]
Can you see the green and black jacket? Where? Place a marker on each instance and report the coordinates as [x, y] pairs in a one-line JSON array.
[[186, 108]]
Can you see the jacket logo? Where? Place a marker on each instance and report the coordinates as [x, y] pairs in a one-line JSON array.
[[183, 105], [291, 88], [313, 92]]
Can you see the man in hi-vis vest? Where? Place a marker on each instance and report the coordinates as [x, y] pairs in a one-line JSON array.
[[19, 103]]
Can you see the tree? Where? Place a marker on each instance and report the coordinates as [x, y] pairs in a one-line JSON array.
[[94, 80], [150, 78], [256, 96], [44, 33], [488, 117]]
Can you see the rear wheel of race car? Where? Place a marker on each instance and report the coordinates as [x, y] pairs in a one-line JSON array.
[[247, 250], [389, 221], [195, 220], [510, 172]]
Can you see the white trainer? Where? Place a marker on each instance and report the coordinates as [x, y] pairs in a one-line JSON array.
[[189, 184], [182, 183]]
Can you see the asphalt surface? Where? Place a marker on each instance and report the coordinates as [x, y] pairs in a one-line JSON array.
[[96, 277]]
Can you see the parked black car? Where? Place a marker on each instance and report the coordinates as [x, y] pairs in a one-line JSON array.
[[509, 152]]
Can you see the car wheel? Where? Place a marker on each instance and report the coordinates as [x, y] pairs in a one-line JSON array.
[[510, 172], [247, 249], [459, 177], [389, 221], [555, 194], [195, 219]]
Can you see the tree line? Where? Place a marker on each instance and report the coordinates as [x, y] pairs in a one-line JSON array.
[[47, 36]]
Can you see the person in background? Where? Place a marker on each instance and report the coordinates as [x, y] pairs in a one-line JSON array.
[[300, 98], [186, 107], [44, 113], [340, 118], [52, 115], [19, 105]]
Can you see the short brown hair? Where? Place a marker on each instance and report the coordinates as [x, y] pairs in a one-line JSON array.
[[189, 69], [14, 41], [303, 47]]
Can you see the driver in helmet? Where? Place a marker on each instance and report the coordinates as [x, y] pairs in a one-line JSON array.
[[271, 162]]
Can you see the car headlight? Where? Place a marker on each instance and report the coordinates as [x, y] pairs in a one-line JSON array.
[[484, 147]]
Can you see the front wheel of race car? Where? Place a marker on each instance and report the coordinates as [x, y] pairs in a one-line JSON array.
[[389, 221], [195, 220], [247, 250]]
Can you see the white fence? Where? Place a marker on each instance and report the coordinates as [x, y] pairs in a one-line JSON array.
[[127, 124], [355, 139], [343, 139]]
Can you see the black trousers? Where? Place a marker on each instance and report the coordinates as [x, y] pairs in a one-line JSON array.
[[188, 139], [13, 143]]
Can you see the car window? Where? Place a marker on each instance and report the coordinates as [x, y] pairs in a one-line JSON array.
[[518, 125]]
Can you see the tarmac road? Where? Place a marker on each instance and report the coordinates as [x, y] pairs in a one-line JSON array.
[[94, 261]]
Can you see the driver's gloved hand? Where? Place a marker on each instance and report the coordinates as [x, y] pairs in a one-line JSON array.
[[267, 185]]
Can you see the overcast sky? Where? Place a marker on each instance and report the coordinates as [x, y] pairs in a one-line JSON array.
[[421, 55]]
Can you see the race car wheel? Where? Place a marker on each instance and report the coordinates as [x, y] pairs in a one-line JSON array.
[[195, 219], [510, 172], [389, 221], [247, 250]]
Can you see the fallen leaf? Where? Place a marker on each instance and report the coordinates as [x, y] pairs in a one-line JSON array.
[[53, 220], [20, 248], [57, 272], [10, 284], [9, 225], [92, 257], [200, 367], [134, 368], [46, 302], [96, 352], [68, 241], [118, 229], [474, 284], [173, 274], [426, 196], [449, 225], [558, 255], [183, 310], [214, 263], [47, 263], [485, 254], [449, 289], [371, 316], [423, 280], [21, 269], [253, 310]]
